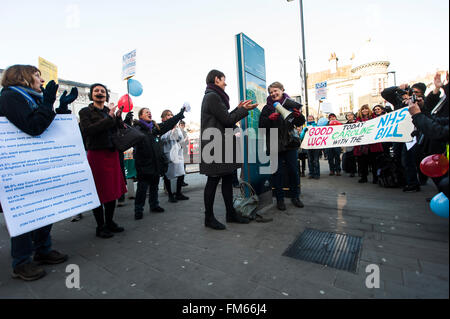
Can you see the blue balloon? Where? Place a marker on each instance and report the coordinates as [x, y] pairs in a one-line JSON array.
[[134, 87], [439, 205], [322, 121]]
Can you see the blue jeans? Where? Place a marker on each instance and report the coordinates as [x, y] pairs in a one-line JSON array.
[[334, 159], [22, 246], [144, 183], [313, 163], [290, 158]]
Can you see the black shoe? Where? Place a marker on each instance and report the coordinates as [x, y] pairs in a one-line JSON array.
[[52, 258], [375, 181], [172, 199], [281, 205], [138, 216], [114, 228], [411, 189], [338, 173], [214, 223], [103, 232], [352, 175], [184, 184], [76, 218], [362, 180], [234, 218], [28, 272], [157, 209], [181, 197], [297, 202]]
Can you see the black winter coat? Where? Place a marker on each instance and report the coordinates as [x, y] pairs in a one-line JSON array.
[[215, 115], [390, 95], [17, 110], [283, 126], [148, 154], [97, 127]]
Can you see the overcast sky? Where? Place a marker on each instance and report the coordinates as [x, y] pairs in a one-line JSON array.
[[179, 41]]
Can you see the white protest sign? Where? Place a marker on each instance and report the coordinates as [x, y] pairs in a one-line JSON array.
[[326, 107], [129, 65], [46, 178], [321, 90], [392, 127]]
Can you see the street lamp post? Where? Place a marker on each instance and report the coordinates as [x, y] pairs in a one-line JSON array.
[[395, 79], [304, 56]]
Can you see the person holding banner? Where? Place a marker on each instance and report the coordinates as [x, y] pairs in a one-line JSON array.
[[98, 123], [313, 154], [334, 153], [26, 104], [367, 154], [348, 159], [287, 152]]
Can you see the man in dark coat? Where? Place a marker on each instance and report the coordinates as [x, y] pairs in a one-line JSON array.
[[215, 159]]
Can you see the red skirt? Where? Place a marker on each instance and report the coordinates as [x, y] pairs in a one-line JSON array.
[[107, 174]]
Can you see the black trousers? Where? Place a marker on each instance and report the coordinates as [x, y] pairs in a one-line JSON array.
[[180, 180], [363, 164], [227, 194], [107, 217]]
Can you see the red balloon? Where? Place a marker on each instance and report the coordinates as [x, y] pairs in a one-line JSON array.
[[125, 102], [434, 165], [335, 122]]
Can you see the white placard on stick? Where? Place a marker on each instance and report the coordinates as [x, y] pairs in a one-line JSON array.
[[45, 178]]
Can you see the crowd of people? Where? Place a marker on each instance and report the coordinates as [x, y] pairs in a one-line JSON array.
[[405, 157], [160, 153]]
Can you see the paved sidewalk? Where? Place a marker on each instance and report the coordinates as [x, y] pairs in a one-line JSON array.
[[172, 255]]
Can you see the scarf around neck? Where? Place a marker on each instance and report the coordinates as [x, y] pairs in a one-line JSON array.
[[225, 98], [148, 125], [270, 101], [30, 95]]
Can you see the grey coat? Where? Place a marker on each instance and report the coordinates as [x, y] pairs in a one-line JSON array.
[[215, 115]]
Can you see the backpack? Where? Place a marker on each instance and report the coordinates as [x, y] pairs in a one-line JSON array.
[[388, 172]]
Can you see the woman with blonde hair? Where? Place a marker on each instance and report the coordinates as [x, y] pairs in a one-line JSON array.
[[367, 154]]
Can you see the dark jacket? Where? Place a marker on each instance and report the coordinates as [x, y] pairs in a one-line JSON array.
[[148, 154], [215, 115], [390, 95], [97, 127], [431, 126], [17, 110], [283, 126]]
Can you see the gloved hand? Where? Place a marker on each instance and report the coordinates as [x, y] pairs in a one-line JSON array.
[[128, 118], [49, 92], [295, 112], [274, 116], [65, 100]]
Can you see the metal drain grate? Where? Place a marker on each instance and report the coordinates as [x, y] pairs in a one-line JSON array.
[[334, 250]]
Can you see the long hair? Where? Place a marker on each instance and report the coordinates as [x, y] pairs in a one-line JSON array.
[[365, 106], [19, 75]]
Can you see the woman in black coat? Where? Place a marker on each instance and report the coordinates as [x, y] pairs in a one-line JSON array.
[[26, 104], [98, 124], [215, 119], [149, 159], [287, 153]]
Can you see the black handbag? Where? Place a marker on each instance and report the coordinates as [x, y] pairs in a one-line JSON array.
[[126, 137]]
